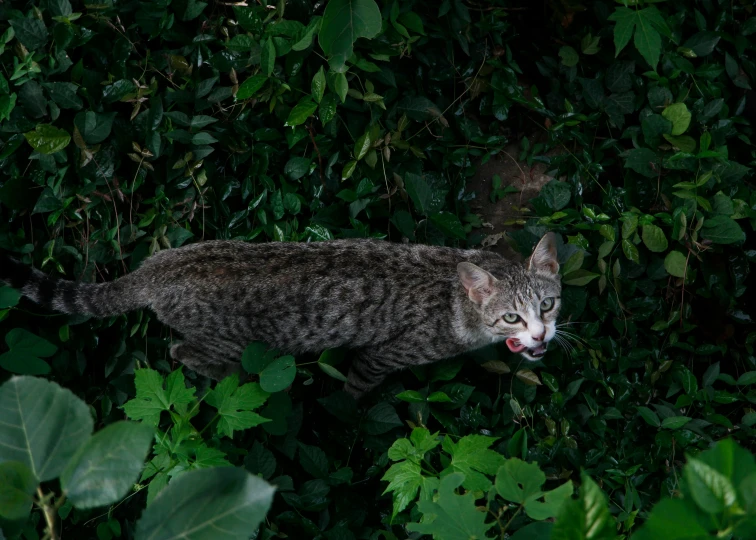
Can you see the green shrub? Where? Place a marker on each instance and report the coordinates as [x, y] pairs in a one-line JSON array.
[[130, 127]]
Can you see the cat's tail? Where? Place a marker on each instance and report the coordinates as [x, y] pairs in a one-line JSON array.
[[72, 297]]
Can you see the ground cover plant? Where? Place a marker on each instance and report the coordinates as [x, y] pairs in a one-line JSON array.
[[131, 127]]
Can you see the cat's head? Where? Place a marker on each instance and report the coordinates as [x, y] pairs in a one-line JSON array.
[[522, 309]]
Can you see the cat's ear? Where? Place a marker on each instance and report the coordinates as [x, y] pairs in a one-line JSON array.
[[544, 257], [478, 283]]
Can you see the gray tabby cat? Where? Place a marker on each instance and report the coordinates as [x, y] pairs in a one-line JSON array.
[[395, 305]]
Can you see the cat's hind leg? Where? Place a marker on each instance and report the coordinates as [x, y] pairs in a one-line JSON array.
[[204, 361], [368, 370]]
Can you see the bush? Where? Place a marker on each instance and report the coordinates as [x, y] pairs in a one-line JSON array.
[[138, 126]]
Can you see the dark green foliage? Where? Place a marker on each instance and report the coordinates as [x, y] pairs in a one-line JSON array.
[[132, 127]]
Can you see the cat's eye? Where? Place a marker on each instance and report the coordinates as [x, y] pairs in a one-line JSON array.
[[547, 304], [511, 318]]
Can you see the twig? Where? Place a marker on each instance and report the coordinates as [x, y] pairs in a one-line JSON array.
[[320, 158]]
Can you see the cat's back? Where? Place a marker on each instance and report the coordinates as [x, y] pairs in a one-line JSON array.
[[218, 261]]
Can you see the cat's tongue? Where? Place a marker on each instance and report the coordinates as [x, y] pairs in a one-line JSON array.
[[514, 345]]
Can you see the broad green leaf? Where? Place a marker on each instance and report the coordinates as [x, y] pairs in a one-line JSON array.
[[249, 88], [451, 516], [647, 38], [152, 399], [64, 94], [17, 485], [419, 108], [225, 503], [449, 224], [327, 109], [43, 425], [9, 297], [586, 518], [297, 167], [623, 30], [47, 139], [552, 502], [684, 143], [345, 21], [362, 146], [301, 112], [26, 353], [643, 161], [679, 115], [672, 519], [712, 491], [381, 419], [675, 263], [569, 56], [472, 456], [313, 460], [654, 238], [332, 372], [579, 278], [94, 127], [105, 468], [630, 251], [649, 416], [405, 479], [519, 482], [257, 356], [31, 32], [278, 375], [235, 405], [722, 230]]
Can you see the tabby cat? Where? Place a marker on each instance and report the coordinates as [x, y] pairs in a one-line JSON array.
[[395, 305]]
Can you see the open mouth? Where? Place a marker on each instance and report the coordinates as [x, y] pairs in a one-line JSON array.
[[532, 353]]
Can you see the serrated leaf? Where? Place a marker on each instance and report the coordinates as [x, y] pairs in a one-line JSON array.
[[235, 405], [152, 399], [472, 456], [586, 518]]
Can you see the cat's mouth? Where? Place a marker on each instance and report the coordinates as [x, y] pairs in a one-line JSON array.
[[531, 353]]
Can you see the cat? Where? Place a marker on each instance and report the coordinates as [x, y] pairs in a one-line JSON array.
[[395, 305]]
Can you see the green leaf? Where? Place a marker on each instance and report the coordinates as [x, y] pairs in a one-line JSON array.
[[451, 516], [381, 419], [679, 115], [47, 139], [332, 372], [579, 278], [647, 38], [405, 479], [279, 374], [9, 297], [749, 377], [419, 108], [552, 502], [649, 416], [30, 32], [64, 94], [472, 457], [26, 353], [103, 470], [348, 170], [202, 138], [249, 88], [519, 482], [235, 405], [43, 425], [362, 146], [313, 460], [328, 107], [623, 30], [7, 104], [318, 85], [675, 263], [268, 57], [297, 167], [257, 356], [643, 161], [654, 238], [94, 127], [17, 485], [586, 518], [712, 491], [152, 399], [301, 112], [675, 422], [684, 143], [345, 21], [224, 503], [569, 56], [449, 224], [722, 230], [672, 519]]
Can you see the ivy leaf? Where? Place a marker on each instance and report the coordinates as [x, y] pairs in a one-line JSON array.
[[278, 375], [345, 21], [472, 456], [235, 405], [451, 516], [26, 353], [47, 139], [518, 482], [647, 38], [152, 399]]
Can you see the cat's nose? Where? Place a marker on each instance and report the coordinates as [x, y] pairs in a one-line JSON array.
[[540, 337]]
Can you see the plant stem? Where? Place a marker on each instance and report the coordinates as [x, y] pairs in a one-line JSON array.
[[48, 512], [510, 521]]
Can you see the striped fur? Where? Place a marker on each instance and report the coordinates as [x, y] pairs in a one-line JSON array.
[[394, 305]]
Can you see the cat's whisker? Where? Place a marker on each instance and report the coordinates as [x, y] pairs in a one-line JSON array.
[[572, 337], [567, 347]]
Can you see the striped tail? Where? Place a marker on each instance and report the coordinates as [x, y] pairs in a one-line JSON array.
[[95, 299]]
